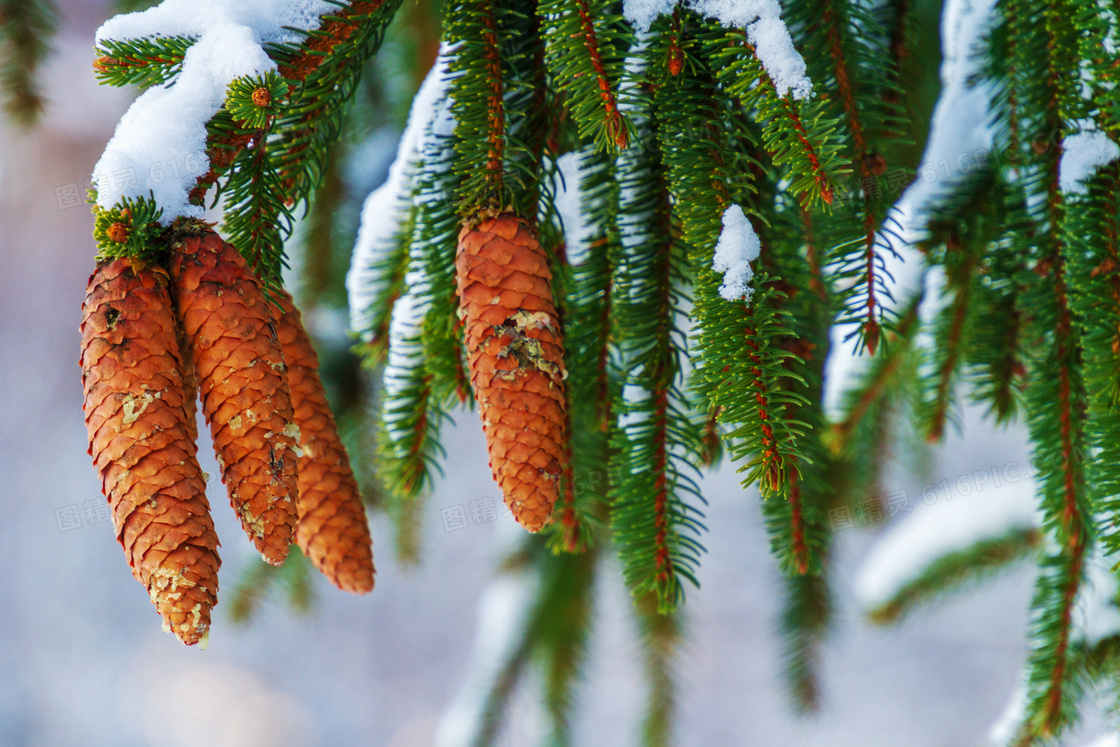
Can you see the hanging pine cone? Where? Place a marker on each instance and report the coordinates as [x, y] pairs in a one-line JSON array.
[[516, 360], [332, 530], [232, 339], [141, 445]]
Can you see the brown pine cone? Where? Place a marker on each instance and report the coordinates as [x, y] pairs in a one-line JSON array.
[[332, 531], [141, 447], [231, 334], [516, 360]]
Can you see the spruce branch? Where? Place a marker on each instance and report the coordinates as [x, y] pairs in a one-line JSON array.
[[963, 233], [586, 40], [1056, 397], [661, 637], [806, 613], [255, 218], [852, 43], [25, 30], [128, 229], [957, 570], [552, 635], [477, 91], [880, 381], [409, 450], [388, 274], [1092, 234], [590, 322], [804, 315], [323, 73], [799, 135], [654, 516], [734, 343], [144, 63]]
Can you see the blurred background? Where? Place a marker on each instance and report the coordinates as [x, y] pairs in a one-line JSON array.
[[83, 661]]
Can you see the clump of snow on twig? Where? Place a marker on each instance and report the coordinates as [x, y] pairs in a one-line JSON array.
[[382, 210], [159, 147], [738, 246], [1082, 154], [765, 31]]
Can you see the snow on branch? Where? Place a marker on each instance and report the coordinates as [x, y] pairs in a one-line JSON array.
[[762, 21], [159, 147], [382, 212], [270, 20], [910, 547], [1082, 154], [738, 246]]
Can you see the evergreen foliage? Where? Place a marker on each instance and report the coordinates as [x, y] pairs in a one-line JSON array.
[[671, 129], [25, 30]]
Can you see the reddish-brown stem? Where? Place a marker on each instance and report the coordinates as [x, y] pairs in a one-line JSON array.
[[662, 557], [496, 117], [815, 281], [797, 522], [875, 389], [824, 184], [1073, 523], [898, 49], [770, 454], [864, 159], [952, 345], [662, 386], [676, 53], [615, 126]]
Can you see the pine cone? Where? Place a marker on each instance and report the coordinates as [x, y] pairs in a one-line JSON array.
[[231, 334], [516, 360], [332, 531], [141, 447]]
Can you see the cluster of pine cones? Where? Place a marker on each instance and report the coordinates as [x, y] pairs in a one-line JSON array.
[[152, 337]]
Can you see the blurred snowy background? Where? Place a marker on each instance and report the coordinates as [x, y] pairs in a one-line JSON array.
[[83, 661]]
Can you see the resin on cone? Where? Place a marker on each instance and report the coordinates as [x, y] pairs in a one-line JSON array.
[[516, 357], [332, 529], [135, 410], [231, 335]]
